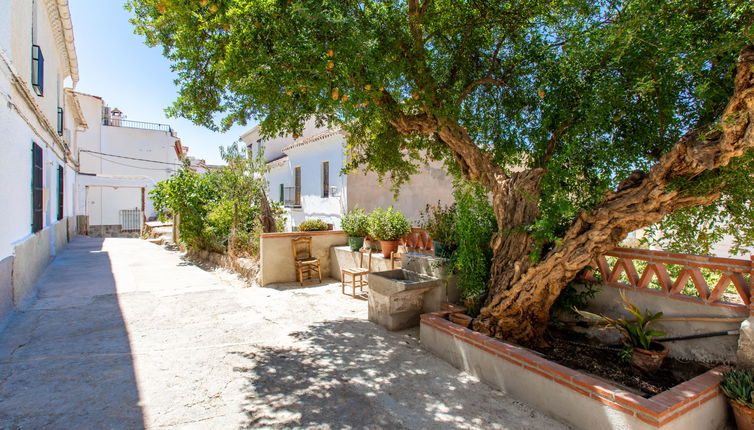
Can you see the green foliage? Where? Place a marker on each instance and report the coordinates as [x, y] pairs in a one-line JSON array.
[[637, 332], [588, 90], [439, 221], [474, 226], [218, 210], [313, 225], [355, 223], [738, 385], [388, 224], [191, 196]]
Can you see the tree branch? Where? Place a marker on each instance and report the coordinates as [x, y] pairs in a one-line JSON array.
[[481, 81]]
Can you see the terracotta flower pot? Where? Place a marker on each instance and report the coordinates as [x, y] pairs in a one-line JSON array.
[[744, 415], [649, 360], [461, 319], [388, 246], [355, 243]]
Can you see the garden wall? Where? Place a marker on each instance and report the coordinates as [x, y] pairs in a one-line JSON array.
[[711, 349], [276, 255], [579, 399]]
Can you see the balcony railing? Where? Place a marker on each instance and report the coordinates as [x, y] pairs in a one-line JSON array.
[[127, 123], [291, 198]]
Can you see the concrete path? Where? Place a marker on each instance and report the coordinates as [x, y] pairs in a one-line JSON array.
[[127, 335]]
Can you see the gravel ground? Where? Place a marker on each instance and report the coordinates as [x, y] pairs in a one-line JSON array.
[[125, 334]]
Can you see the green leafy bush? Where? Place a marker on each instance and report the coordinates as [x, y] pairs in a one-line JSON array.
[[439, 221], [355, 223], [473, 228], [738, 385], [388, 224], [313, 225]]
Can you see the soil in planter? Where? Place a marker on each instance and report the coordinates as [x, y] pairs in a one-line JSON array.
[[576, 351]]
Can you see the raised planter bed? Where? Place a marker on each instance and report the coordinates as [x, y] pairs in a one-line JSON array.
[[576, 398]]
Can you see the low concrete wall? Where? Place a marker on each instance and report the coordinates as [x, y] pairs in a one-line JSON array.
[[6, 289], [276, 255], [60, 230], [246, 267], [110, 231], [579, 399], [31, 257], [712, 349]]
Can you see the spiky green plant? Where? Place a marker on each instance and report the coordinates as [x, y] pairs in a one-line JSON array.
[[738, 385], [636, 332]]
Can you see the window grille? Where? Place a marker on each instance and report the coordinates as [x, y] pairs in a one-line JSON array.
[[297, 186], [61, 192], [37, 185], [130, 220]]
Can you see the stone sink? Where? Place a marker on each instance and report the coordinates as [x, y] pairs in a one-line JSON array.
[[396, 297]]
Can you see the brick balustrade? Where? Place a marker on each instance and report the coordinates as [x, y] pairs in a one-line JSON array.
[[733, 271]]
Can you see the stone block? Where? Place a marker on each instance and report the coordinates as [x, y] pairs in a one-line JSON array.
[[396, 297]]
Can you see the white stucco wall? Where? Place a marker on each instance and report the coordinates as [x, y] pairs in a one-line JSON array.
[[22, 126], [310, 158], [103, 204]]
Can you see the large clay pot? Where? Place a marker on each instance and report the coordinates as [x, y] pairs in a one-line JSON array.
[[355, 243], [388, 246], [744, 415], [649, 360]]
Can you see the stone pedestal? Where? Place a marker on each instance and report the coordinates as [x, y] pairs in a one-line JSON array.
[[745, 353], [396, 297]]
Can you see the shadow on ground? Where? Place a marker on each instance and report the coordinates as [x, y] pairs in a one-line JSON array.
[[353, 374], [65, 360]]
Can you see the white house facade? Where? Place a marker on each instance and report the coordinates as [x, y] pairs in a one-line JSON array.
[[120, 162], [39, 120], [306, 176]]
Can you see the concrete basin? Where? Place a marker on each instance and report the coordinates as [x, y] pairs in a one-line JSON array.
[[396, 297]]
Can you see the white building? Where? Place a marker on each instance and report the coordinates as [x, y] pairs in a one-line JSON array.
[[39, 120], [306, 177], [120, 162]]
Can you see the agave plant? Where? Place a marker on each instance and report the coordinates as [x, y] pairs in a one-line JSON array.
[[738, 385], [636, 331]]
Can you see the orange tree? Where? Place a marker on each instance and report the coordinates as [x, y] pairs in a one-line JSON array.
[[583, 119]]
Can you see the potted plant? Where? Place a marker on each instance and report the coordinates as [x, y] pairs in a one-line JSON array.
[[388, 226], [641, 350], [737, 386], [313, 225], [439, 221], [355, 225]]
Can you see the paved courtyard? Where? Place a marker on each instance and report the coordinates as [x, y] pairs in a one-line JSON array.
[[128, 335]]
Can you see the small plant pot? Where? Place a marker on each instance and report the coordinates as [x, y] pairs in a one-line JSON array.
[[461, 319], [649, 360], [388, 246], [443, 250], [744, 415], [355, 243]]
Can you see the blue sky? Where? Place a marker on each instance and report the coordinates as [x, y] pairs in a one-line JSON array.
[[115, 64]]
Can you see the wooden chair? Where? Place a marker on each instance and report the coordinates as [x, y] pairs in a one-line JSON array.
[[306, 263], [397, 255], [357, 274]]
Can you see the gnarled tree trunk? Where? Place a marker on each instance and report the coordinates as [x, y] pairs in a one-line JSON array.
[[521, 293], [520, 308]]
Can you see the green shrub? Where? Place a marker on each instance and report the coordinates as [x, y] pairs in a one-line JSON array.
[[439, 221], [355, 223], [473, 228], [388, 224], [219, 225], [313, 225]]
